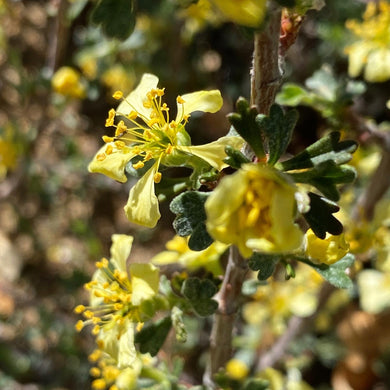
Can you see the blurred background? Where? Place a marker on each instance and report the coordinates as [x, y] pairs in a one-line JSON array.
[[56, 219]]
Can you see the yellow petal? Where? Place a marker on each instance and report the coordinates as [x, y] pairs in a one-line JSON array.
[[245, 12], [205, 101], [127, 353], [378, 66], [214, 152], [142, 205], [357, 53], [113, 164], [134, 100], [120, 250], [144, 281]]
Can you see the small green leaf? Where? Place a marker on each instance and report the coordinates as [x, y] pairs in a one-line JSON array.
[[152, 336], [234, 157], [328, 148], [293, 95], [190, 218], [325, 176], [264, 263], [256, 384], [116, 17], [277, 129], [199, 293], [244, 121], [335, 273], [178, 324], [320, 217]]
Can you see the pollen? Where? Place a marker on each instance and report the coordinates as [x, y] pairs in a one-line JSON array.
[[138, 165], [108, 139], [117, 95], [79, 309], [79, 325], [157, 177], [101, 157], [99, 384], [133, 115], [180, 100], [109, 149], [94, 371], [110, 119]]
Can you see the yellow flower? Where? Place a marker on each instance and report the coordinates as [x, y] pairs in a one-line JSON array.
[[117, 292], [372, 50], [248, 13], [258, 214], [179, 252], [67, 81], [151, 136], [236, 369], [328, 250]]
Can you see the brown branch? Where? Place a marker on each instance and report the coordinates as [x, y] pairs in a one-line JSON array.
[[223, 325], [266, 74]]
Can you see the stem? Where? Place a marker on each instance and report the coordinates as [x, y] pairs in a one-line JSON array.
[[265, 81], [266, 74], [223, 324]]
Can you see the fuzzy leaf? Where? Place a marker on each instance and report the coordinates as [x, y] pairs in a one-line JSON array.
[[264, 263], [335, 273], [328, 148], [320, 217], [199, 293], [116, 17], [325, 176], [277, 129], [234, 157], [190, 219], [152, 336], [244, 121]]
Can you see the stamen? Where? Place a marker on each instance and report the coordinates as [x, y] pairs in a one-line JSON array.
[[117, 95]]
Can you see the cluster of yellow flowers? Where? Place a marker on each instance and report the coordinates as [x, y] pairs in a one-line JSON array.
[[118, 291]]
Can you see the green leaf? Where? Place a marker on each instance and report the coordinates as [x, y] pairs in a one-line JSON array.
[[234, 157], [190, 218], [244, 121], [277, 129], [293, 95], [116, 17], [152, 336], [264, 263], [320, 217], [328, 148], [178, 324], [199, 293], [335, 273], [256, 384], [325, 176]]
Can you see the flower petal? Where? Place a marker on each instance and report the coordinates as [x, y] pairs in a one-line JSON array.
[[134, 100], [357, 54], [205, 101], [120, 250], [144, 281], [113, 165], [378, 66], [214, 152], [245, 12], [142, 205]]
